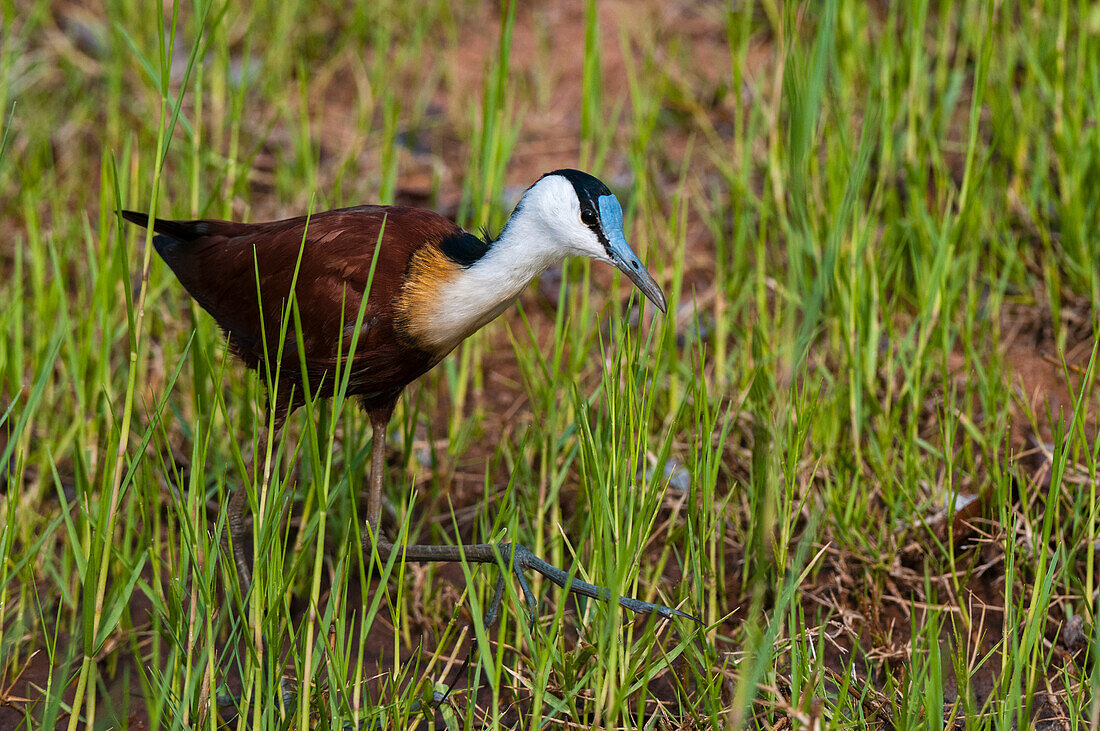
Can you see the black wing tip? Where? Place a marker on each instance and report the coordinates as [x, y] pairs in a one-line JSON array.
[[180, 231], [141, 219], [163, 244]]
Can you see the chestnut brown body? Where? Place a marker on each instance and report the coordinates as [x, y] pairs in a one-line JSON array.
[[242, 275]]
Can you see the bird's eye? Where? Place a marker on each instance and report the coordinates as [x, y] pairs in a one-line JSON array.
[[588, 216]]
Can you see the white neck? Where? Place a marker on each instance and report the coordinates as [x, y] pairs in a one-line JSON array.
[[475, 296]]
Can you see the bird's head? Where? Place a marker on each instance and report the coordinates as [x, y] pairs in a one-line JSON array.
[[571, 213]]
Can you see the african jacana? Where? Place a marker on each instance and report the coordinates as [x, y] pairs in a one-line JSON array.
[[434, 285]]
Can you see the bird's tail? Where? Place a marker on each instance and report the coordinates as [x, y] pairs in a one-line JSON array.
[[178, 230], [174, 235]]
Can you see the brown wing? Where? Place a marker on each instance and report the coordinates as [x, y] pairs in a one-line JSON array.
[[238, 272]]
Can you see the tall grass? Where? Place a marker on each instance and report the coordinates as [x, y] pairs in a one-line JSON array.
[[875, 227]]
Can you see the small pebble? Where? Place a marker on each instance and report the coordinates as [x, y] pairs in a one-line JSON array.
[[677, 477]]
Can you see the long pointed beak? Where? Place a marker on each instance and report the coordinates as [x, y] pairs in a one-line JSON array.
[[623, 257]]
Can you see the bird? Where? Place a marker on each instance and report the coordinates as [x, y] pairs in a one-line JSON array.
[[428, 285]]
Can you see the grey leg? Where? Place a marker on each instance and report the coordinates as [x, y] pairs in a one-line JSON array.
[[238, 535]]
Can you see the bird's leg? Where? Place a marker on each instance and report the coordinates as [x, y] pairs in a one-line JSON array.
[[508, 556], [235, 517], [241, 545], [377, 471], [237, 510]]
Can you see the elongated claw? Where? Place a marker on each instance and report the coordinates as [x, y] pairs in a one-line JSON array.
[[523, 559]]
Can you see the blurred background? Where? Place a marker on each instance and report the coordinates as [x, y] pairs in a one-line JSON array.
[[861, 446]]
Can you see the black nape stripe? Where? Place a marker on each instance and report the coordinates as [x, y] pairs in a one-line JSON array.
[[464, 248]]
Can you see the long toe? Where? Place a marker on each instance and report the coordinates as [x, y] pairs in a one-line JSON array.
[[519, 568], [494, 606], [525, 559], [637, 605]]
